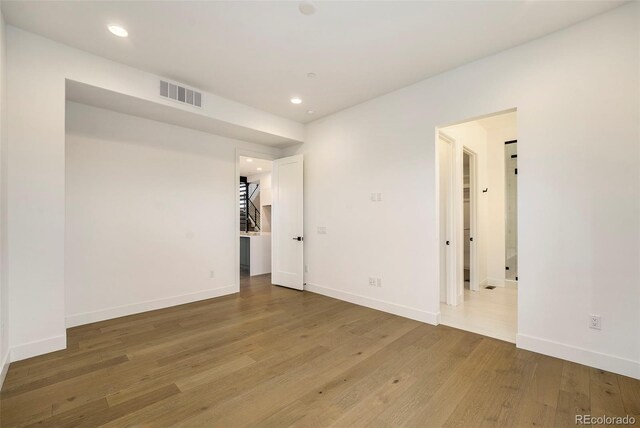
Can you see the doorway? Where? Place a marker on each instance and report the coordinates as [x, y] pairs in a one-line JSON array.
[[511, 212], [254, 212], [470, 219], [269, 207], [477, 225]]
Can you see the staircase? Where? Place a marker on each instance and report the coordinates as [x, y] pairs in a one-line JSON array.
[[249, 213]]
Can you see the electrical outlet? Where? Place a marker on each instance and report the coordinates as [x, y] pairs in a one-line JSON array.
[[322, 230], [212, 274], [373, 197], [375, 282], [595, 322], [379, 197]]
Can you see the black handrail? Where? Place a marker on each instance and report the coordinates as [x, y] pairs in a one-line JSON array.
[[254, 190], [255, 218], [252, 213]]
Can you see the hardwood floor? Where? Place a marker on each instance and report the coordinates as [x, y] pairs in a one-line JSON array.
[[275, 357]]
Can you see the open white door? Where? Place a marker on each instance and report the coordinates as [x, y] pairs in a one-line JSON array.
[[287, 262]]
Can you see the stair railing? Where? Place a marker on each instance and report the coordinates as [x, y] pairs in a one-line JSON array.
[[252, 213]]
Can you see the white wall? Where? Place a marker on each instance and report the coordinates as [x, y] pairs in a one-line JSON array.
[[577, 94], [150, 211], [36, 170], [4, 307], [263, 178]]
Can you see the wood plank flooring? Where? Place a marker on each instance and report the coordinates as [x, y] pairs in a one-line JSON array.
[[274, 357]]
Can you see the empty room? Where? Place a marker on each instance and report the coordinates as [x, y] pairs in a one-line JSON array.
[[319, 213]]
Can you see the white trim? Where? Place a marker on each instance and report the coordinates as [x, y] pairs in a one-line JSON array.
[[381, 305], [579, 355], [38, 347], [150, 305], [455, 255], [5, 367], [498, 282], [445, 137]]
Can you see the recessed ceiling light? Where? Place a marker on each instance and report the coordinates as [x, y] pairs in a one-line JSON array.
[[310, 111], [296, 100], [249, 160], [259, 169], [311, 75], [118, 31], [306, 8]]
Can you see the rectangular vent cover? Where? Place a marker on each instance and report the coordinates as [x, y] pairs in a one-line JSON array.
[[180, 93]]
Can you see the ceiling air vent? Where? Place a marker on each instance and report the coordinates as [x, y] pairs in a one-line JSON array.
[[180, 94]]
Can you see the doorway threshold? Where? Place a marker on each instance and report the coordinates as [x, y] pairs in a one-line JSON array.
[[492, 313]]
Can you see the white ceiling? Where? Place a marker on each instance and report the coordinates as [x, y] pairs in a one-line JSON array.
[[259, 53], [250, 167]]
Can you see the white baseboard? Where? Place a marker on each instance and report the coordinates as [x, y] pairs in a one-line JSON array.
[[496, 282], [38, 347], [5, 367], [381, 305], [150, 305], [578, 355]]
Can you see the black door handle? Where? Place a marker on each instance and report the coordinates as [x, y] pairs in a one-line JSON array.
[[297, 238], [447, 242]]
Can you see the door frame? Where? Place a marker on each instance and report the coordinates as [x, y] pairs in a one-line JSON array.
[[455, 223], [474, 282], [236, 198]]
